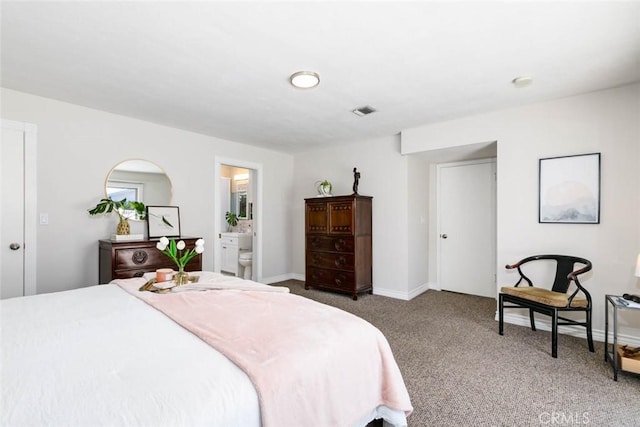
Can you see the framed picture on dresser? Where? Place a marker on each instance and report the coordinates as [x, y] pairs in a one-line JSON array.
[[163, 221]]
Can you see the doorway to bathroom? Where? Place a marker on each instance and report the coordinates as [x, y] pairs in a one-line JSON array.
[[238, 218]]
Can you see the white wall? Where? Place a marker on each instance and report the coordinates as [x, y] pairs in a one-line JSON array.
[[78, 146], [383, 176], [418, 220], [607, 122]]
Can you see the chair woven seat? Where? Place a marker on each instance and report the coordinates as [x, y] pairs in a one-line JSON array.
[[543, 296]]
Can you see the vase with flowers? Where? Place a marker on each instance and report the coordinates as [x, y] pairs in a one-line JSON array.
[[180, 256]]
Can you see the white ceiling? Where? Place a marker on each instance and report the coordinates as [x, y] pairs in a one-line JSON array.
[[222, 68]]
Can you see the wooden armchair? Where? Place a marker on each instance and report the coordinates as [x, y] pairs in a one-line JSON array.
[[550, 302]]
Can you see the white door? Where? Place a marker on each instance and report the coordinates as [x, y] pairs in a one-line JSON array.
[[12, 236], [466, 227]]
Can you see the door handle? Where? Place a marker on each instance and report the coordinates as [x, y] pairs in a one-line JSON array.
[[14, 246], [443, 236]]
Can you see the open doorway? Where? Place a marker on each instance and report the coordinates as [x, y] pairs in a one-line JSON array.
[[425, 188], [238, 219]]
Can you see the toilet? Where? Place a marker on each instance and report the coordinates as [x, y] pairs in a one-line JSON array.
[[245, 259]]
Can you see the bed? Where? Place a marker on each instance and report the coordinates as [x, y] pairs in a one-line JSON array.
[[220, 352]]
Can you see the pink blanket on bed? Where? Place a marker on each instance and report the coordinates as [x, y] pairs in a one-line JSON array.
[[311, 364]]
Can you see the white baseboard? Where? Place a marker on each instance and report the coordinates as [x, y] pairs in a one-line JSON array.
[[543, 323], [405, 296], [435, 286], [391, 293], [419, 290]]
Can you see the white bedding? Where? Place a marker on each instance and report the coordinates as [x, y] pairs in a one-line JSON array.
[[104, 358], [99, 356]]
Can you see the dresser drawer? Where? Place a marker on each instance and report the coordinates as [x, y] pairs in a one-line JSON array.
[[343, 280], [332, 260], [330, 244], [148, 259], [138, 257]]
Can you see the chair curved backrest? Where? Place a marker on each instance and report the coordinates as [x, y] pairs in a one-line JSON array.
[[565, 270]]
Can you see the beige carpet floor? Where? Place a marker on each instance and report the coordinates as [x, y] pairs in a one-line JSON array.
[[460, 372]]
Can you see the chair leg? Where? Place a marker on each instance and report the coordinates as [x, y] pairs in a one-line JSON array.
[[533, 322], [589, 335], [554, 334], [500, 315]]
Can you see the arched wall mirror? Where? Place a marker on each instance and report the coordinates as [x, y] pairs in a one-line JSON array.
[[139, 180]]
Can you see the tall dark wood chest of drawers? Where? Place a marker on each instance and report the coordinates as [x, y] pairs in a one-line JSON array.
[[338, 244], [123, 260]]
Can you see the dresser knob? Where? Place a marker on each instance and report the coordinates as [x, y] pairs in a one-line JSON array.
[[139, 257]]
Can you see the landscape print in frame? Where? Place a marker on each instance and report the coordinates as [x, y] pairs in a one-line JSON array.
[[569, 189]]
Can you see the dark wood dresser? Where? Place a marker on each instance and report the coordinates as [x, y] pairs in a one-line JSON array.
[[122, 260], [338, 244]]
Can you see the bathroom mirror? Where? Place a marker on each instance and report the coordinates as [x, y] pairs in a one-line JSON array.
[[139, 180], [239, 199]]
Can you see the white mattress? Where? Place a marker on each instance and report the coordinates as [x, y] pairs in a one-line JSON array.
[[98, 356]]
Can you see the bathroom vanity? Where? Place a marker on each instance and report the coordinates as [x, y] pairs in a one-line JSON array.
[[232, 245]]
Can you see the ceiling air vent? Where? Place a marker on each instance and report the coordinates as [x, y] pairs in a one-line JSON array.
[[363, 111]]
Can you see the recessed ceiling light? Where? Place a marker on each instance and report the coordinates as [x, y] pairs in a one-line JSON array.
[[522, 81], [304, 79]]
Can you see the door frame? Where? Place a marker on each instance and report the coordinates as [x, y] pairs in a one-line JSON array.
[[439, 167], [30, 134], [257, 213]]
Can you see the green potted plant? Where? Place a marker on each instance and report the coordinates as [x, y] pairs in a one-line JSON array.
[[124, 208], [324, 188], [232, 220]]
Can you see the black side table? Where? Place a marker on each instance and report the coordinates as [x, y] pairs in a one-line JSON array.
[[611, 356]]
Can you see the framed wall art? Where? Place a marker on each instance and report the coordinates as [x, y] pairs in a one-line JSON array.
[[569, 189], [163, 221]]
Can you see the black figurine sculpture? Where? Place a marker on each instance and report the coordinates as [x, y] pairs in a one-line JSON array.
[[356, 180]]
